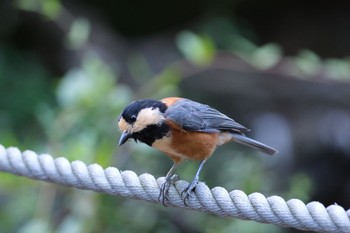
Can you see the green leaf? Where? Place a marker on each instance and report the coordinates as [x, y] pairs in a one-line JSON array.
[[266, 56], [337, 69], [200, 50], [308, 62], [79, 33]]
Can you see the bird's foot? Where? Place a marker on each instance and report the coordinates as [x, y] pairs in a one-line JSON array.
[[164, 189], [186, 193]]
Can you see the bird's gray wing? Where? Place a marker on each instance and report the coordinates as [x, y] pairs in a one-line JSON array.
[[194, 116]]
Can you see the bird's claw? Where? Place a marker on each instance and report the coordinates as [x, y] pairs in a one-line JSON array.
[[187, 192], [163, 195], [164, 189]]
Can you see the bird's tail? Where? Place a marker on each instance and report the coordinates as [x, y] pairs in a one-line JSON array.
[[253, 144]]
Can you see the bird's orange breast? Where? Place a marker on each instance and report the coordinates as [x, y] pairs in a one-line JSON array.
[[181, 144]]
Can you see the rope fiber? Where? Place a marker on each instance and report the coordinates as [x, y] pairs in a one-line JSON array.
[[274, 209]]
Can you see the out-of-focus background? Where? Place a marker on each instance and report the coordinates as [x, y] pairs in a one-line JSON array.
[[67, 68]]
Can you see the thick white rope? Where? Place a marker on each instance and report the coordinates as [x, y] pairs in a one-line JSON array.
[[293, 213]]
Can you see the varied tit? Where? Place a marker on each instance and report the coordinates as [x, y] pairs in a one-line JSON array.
[[182, 129]]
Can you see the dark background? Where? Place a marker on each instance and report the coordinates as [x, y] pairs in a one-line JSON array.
[[67, 68]]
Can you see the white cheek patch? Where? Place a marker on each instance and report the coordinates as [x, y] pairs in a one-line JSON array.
[[146, 117], [123, 125]]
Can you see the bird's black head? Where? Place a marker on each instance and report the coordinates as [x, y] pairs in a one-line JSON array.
[[143, 120], [131, 111]]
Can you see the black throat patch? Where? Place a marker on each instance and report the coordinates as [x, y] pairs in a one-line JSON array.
[[151, 133]]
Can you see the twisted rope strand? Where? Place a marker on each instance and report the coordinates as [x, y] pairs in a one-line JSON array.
[[275, 210]]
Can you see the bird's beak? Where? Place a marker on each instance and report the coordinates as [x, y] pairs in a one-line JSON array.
[[123, 138]]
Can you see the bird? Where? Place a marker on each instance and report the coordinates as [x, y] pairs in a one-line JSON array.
[[182, 129]]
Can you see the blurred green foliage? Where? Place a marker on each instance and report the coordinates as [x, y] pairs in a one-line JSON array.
[[308, 62], [197, 49], [85, 119], [24, 87], [48, 8]]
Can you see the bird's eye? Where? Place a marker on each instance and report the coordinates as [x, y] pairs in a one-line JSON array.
[[133, 117]]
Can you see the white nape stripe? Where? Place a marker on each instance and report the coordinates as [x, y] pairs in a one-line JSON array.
[[146, 117]]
